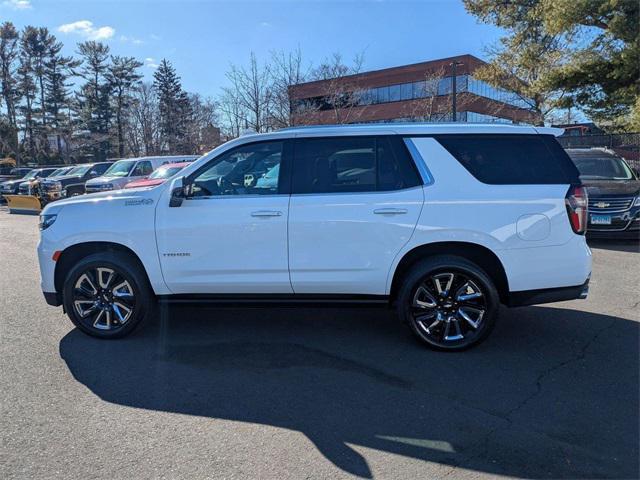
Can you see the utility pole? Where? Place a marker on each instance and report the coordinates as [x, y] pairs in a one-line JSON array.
[[454, 106]]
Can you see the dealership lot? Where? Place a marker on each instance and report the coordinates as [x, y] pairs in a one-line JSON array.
[[317, 393]]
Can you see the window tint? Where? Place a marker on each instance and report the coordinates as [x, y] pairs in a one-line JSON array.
[[247, 170], [352, 164], [512, 159], [100, 168]]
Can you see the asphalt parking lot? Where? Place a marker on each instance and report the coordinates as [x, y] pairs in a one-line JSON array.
[[318, 393]]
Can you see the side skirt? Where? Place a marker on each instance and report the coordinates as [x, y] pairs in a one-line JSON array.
[[277, 300]]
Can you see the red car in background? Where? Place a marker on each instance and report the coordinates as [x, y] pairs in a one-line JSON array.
[[159, 175]]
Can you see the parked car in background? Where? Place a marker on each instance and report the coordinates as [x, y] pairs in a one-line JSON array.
[[33, 187], [159, 175], [129, 170], [25, 188], [20, 172], [11, 187], [72, 183], [614, 193], [442, 222]]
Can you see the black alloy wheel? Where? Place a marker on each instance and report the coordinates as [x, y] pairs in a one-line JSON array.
[[106, 295], [449, 302]]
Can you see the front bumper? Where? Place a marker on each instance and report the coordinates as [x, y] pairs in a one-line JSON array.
[[624, 225]]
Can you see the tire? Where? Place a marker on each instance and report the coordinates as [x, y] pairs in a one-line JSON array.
[[121, 302], [449, 313]]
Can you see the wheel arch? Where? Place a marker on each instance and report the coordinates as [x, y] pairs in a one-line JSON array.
[[476, 253], [73, 253]]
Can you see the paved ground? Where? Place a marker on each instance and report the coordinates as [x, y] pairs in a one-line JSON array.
[[318, 393]]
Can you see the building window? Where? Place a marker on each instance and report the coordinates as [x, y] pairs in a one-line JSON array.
[[394, 93], [406, 91]]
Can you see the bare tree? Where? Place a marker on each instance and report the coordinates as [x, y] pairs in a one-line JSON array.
[[286, 69], [434, 102], [251, 88], [341, 89], [233, 113], [203, 116], [144, 133]]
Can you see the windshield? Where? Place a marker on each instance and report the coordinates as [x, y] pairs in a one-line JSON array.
[[165, 172], [79, 170], [59, 172], [603, 169], [30, 175], [120, 169]]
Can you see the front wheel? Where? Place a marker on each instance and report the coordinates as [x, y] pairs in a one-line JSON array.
[[107, 295], [449, 302]]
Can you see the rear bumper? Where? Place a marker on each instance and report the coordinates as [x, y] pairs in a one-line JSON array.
[[548, 295]]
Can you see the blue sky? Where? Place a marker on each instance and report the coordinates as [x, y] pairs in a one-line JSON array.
[[202, 38]]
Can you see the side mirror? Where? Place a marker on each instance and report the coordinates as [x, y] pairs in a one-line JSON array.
[[178, 194]]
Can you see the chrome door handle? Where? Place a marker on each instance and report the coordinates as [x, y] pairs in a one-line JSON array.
[[390, 211], [266, 213]]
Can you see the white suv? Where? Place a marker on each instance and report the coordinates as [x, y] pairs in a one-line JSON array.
[[444, 222]]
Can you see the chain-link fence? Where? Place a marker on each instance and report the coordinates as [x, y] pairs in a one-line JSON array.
[[627, 145]]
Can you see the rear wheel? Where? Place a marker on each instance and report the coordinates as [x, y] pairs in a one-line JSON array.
[[449, 302], [106, 295]]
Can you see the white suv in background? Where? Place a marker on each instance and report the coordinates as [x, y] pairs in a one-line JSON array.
[[129, 170], [444, 222]]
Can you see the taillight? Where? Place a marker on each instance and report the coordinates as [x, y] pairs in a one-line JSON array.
[[577, 203]]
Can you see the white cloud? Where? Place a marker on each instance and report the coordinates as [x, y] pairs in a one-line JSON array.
[[133, 40], [265, 24], [17, 4], [151, 63], [86, 29], [155, 37]]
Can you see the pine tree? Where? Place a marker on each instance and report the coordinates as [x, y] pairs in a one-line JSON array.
[[173, 103], [8, 83], [93, 107], [27, 88], [123, 78], [57, 72]]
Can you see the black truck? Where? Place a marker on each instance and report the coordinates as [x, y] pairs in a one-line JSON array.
[[72, 183]]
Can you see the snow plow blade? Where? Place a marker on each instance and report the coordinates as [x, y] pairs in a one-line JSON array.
[[25, 204]]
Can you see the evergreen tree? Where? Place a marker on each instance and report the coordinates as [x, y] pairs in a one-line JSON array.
[[58, 70], [28, 89], [123, 78], [173, 104], [93, 107], [8, 83], [41, 45]]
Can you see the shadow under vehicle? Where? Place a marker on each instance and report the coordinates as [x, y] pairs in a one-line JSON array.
[[553, 394]]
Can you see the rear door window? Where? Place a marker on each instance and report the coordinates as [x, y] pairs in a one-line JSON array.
[[352, 164], [512, 159]]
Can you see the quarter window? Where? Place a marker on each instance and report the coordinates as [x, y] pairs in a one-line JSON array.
[[512, 159], [252, 169], [352, 164]]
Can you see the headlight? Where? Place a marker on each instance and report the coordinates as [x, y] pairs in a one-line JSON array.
[[637, 202], [46, 221], [107, 186]]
